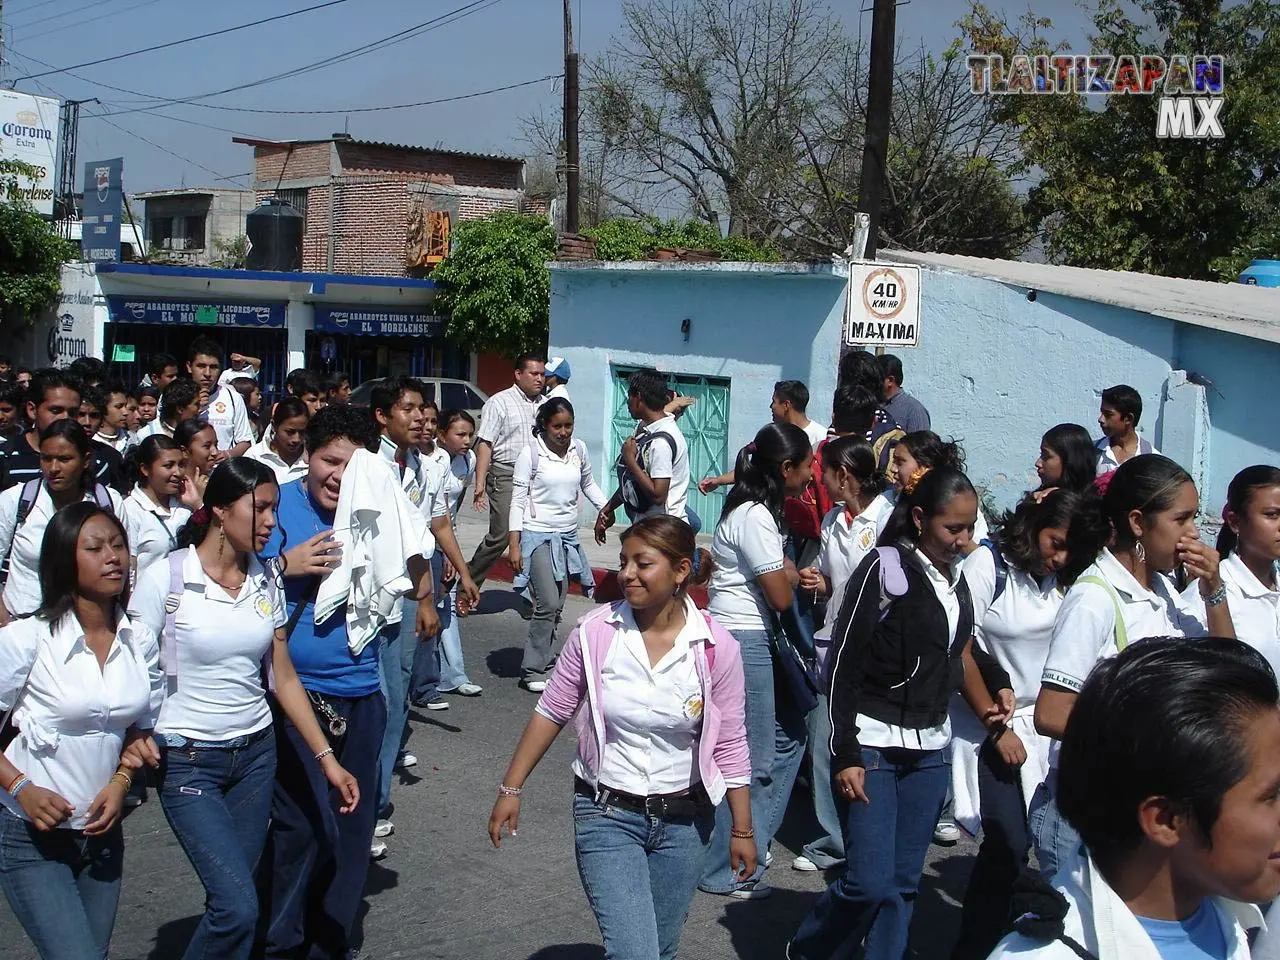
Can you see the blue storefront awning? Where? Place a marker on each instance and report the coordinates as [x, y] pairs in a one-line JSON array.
[[376, 322], [167, 311]]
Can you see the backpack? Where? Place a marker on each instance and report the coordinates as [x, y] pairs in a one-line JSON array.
[[31, 491], [1002, 568], [885, 435], [1121, 632], [893, 584], [635, 500]]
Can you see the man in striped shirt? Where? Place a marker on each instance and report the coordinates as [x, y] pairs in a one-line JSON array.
[[506, 428]]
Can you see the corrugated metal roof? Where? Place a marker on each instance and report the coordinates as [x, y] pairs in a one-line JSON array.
[[1239, 308], [403, 146], [188, 192]]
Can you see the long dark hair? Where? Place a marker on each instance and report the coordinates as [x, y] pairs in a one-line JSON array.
[[59, 571], [930, 450], [1241, 490], [757, 475], [932, 494], [1017, 532], [854, 454], [230, 481], [548, 410], [188, 430], [71, 431], [1147, 483], [1074, 447], [146, 453]]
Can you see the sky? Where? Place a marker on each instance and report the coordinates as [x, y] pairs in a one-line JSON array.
[[499, 43]]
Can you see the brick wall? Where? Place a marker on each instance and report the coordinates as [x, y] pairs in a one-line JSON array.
[[360, 158], [295, 163]]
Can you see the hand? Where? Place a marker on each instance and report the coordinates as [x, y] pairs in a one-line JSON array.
[[237, 358], [199, 483], [5, 616], [447, 573], [468, 592], [811, 578], [188, 495], [1011, 748], [631, 454], [506, 814], [708, 484], [43, 807], [514, 558], [315, 557], [427, 624], [742, 856], [1001, 711], [139, 750], [677, 405], [1039, 495], [851, 783], [105, 810], [216, 457], [1201, 561], [204, 399], [480, 502], [604, 521], [341, 781]]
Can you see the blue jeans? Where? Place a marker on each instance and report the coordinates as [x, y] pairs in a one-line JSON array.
[[828, 850], [395, 669], [62, 886], [639, 874], [885, 845], [218, 802], [1054, 838], [988, 899], [776, 737], [451, 671], [424, 676]]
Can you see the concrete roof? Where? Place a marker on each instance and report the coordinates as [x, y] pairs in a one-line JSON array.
[[188, 192], [1234, 307], [353, 141]]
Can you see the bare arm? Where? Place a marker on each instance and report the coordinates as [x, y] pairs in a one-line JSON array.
[[777, 589], [484, 457], [539, 734], [1053, 709]]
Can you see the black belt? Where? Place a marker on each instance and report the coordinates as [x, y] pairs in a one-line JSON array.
[[664, 806]]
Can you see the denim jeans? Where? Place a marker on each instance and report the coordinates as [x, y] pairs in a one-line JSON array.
[[828, 850], [395, 668], [1055, 839], [62, 886], [218, 803], [451, 671], [1005, 845], [548, 603], [639, 874], [885, 845], [776, 737], [317, 859]]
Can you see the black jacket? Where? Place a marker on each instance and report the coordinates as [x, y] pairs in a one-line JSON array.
[[902, 668]]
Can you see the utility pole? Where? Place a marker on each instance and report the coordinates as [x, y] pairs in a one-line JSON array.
[[879, 105], [570, 123]]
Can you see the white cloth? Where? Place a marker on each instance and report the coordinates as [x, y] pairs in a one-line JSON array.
[[153, 530], [264, 453], [22, 593], [422, 480], [228, 375], [220, 643], [1255, 609], [156, 426], [378, 530], [461, 469], [72, 715], [551, 504], [227, 415], [120, 443], [664, 465], [747, 544], [1100, 921], [1107, 460], [559, 390], [844, 544], [816, 432], [652, 714], [506, 423], [878, 733]]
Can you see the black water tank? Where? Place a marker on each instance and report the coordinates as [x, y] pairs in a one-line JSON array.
[[274, 229]]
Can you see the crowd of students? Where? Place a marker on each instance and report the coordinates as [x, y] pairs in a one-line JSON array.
[[243, 617]]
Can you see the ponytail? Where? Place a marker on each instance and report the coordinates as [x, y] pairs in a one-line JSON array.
[[757, 473], [931, 493]]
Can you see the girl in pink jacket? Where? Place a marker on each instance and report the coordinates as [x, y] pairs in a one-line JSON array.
[[655, 689]]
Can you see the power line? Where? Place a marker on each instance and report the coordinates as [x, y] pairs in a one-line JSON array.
[[79, 23], [175, 43]]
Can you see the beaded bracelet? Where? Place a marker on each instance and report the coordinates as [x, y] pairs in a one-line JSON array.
[[505, 791], [327, 751], [742, 834], [1217, 598]]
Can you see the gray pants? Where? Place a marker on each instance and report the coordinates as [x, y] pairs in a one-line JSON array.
[[548, 603], [498, 487]]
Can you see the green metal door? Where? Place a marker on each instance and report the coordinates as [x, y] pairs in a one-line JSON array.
[[705, 426]]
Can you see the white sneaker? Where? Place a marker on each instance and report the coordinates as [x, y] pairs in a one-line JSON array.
[[469, 690], [437, 704], [804, 865], [946, 833], [768, 859], [384, 828], [406, 761], [752, 890], [377, 850], [534, 686]]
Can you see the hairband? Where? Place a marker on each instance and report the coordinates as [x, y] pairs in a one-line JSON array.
[[202, 516]]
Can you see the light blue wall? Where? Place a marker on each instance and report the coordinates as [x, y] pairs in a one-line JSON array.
[[751, 328], [994, 369]]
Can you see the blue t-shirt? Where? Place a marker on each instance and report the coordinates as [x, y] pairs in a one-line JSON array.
[[319, 651], [1199, 937]]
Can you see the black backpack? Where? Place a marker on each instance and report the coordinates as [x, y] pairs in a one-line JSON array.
[[634, 500]]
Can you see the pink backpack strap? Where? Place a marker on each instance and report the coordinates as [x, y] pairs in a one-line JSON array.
[[177, 586]]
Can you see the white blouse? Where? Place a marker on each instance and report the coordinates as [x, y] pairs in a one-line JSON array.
[[1255, 609], [153, 530], [550, 503], [71, 714], [264, 453]]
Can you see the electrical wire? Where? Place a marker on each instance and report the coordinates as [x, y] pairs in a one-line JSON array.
[[80, 23], [176, 43]]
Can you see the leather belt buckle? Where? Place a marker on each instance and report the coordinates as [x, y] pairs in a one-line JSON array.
[[655, 807]]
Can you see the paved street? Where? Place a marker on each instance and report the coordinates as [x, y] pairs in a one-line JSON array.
[[442, 892]]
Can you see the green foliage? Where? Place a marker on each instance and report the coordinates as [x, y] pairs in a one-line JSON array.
[[1110, 193], [495, 286], [634, 239], [231, 254], [31, 254]]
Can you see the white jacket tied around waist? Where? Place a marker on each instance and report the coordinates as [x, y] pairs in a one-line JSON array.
[[379, 531]]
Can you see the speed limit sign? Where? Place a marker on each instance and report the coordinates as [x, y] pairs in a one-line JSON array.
[[882, 305]]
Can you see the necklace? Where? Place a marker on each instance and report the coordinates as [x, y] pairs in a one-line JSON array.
[[227, 587]]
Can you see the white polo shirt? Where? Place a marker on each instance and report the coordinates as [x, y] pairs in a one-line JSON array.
[[153, 530], [72, 714], [221, 640], [461, 469], [747, 544], [423, 483], [662, 465], [228, 417], [550, 503], [1255, 609], [1107, 457], [264, 453], [845, 542], [230, 374]]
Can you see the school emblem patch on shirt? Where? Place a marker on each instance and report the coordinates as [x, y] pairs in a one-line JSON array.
[[263, 606], [693, 707], [867, 538]]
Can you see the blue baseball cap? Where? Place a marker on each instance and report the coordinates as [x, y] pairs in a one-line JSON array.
[[558, 367]]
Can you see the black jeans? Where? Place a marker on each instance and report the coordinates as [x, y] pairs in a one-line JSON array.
[[1005, 845]]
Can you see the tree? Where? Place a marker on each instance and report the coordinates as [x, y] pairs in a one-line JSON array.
[[232, 253], [31, 253], [1110, 193], [634, 239], [495, 286]]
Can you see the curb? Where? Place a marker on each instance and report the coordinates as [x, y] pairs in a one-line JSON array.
[[607, 589]]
